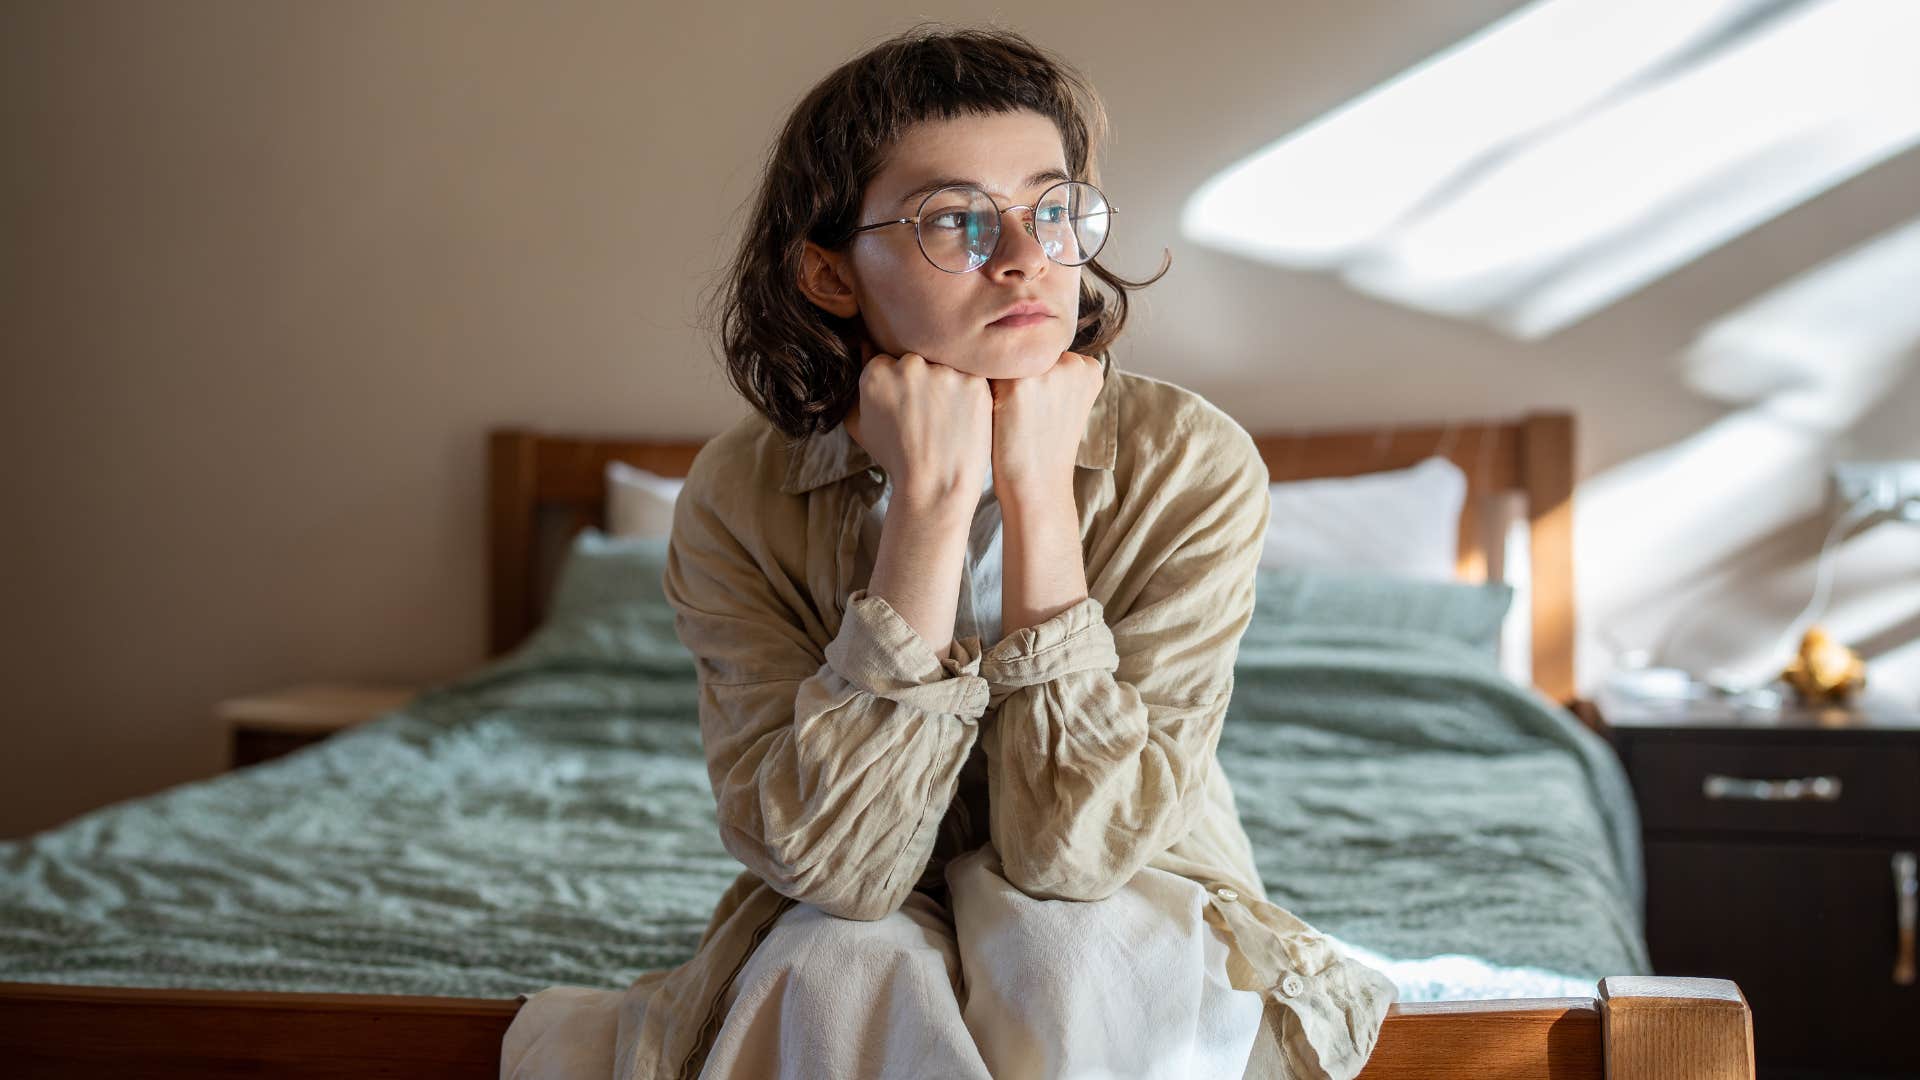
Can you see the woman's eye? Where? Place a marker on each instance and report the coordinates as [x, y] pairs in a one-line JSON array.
[[1053, 215], [950, 219]]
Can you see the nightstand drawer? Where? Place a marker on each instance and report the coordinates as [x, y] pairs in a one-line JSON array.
[[1809, 931], [1827, 789]]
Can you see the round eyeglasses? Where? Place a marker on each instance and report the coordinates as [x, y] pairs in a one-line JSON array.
[[959, 227]]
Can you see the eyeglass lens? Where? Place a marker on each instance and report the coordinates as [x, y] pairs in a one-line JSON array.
[[960, 226]]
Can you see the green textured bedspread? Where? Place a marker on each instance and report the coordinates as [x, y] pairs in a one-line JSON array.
[[548, 820]]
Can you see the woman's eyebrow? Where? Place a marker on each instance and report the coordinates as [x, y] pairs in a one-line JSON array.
[[937, 183]]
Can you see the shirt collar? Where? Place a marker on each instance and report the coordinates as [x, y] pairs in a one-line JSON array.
[[825, 457]]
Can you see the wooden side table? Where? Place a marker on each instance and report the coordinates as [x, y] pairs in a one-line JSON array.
[[1780, 853], [265, 726]]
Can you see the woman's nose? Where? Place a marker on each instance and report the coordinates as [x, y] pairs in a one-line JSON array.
[[1019, 248]]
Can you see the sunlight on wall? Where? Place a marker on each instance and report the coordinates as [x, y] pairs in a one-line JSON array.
[[1805, 361], [1575, 151], [1819, 349]]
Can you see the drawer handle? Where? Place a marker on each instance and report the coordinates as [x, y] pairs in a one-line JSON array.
[[1905, 890], [1801, 789]]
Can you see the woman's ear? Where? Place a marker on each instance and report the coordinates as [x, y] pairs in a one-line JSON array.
[[826, 277]]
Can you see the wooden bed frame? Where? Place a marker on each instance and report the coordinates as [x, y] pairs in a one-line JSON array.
[[543, 488]]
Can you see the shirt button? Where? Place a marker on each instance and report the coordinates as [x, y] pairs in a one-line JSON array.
[[875, 475], [1293, 985], [1226, 894]]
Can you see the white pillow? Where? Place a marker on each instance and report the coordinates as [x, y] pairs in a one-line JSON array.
[[640, 503], [1401, 521]]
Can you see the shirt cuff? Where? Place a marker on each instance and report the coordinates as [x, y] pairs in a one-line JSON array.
[[1330, 1019], [879, 651], [1075, 639]]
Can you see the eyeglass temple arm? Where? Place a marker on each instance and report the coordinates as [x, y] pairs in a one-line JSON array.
[[881, 225]]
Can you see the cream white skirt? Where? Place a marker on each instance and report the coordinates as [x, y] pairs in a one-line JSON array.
[[1003, 987]]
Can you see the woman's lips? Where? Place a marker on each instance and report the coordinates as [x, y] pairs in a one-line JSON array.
[[1022, 320]]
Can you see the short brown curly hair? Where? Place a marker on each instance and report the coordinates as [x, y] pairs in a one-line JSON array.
[[800, 366]]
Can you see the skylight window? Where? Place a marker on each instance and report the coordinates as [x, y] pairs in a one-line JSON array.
[[1576, 151]]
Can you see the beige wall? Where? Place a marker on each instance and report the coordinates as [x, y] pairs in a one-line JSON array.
[[273, 269]]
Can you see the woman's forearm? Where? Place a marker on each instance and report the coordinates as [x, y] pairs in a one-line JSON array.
[[1042, 570], [923, 544]]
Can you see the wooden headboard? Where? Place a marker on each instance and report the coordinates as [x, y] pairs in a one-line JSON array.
[[544, 488]]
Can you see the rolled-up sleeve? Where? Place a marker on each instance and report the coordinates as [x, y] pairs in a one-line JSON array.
[[831, 768], [1327, 1006], [1099, 753], [1329, 1024]]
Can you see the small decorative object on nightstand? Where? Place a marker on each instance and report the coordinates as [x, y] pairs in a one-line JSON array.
[[265, 726], [1824, 672], [1780, 843]]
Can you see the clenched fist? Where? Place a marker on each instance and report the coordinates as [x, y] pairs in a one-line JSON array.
[[1038, 423], [928, 425]]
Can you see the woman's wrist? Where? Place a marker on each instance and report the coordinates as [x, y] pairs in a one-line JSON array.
[[938, 505], [917, 569]]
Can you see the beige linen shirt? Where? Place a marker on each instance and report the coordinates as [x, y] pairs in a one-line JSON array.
[[842, 749]]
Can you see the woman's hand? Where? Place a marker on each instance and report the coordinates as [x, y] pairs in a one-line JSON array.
[[1038, 423], [928, 425]]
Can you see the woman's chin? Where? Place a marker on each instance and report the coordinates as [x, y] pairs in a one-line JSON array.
[[1002, 359], [1023, 364]]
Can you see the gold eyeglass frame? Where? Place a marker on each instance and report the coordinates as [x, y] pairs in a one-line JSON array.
[[1026, 223]]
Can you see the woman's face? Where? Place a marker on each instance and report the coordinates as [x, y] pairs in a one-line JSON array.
[[909, 305]]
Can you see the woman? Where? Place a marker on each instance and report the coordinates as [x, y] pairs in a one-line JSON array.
[[965, 602]]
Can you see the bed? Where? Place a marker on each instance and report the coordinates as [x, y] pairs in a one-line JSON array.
[[374, 904]]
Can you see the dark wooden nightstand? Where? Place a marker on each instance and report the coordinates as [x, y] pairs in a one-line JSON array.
[[1780, 851], [265, 726]]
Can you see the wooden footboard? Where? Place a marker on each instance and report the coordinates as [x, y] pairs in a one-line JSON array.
[[97, 1031], [1639, 1028]]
